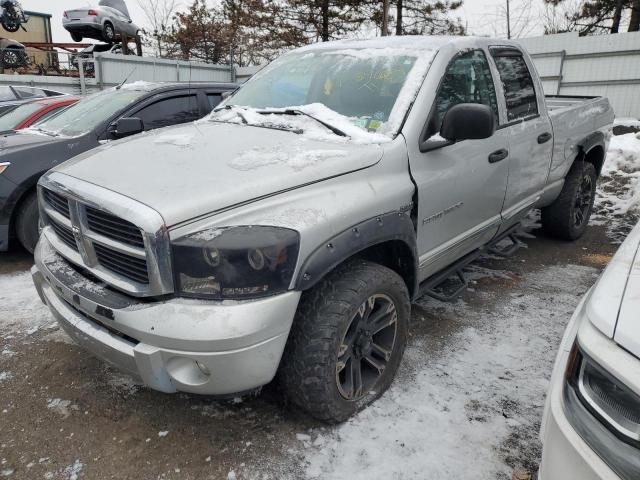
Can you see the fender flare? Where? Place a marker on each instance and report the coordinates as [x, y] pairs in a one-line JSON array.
[[592, 140], [392, 226]]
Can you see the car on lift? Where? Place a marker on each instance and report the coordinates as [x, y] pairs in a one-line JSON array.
[[105, 22], [12, 96], [33, 112]]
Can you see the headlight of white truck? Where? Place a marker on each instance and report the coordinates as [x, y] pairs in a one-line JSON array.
[[235, 262]]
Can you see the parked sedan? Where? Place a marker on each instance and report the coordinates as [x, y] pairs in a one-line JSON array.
[[13, 95], [28, 114], [109, 115], [104, 22], [591, 425]]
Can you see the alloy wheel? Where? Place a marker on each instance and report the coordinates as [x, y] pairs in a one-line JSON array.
[[366, 347]]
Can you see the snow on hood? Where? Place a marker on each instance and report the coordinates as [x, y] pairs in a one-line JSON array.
[[197, 169], [311, 129]]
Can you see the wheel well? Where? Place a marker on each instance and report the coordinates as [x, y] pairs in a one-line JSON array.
[[396, 255], [596, 156]]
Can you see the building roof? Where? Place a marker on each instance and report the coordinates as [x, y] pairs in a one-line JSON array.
[[37, 14]]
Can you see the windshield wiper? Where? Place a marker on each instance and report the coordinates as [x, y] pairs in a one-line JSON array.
[[295, 111]]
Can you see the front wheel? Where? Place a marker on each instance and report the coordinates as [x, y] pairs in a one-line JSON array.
[[347, 341], [76, 37], [568, 216]]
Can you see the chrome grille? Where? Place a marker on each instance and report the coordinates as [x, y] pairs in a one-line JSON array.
[[65, 234], [59, 203], [114, 227], [123, 264], [85, 223]]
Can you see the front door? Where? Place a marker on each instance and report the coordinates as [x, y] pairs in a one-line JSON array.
[[460, 188]]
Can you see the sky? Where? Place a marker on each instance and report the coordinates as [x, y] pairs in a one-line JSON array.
[[482, 17]]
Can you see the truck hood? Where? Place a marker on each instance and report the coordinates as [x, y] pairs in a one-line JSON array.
[[193, 170], [627, 333], [614, 305]]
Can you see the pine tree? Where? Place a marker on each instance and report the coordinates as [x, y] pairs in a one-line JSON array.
[[603, 16]]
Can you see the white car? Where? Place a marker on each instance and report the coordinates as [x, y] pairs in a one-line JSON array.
[[591, 425], [105, 22]]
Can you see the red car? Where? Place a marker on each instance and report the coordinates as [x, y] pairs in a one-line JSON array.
[[30, 113]]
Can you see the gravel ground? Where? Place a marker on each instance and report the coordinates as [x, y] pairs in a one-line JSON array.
[[467, 402]]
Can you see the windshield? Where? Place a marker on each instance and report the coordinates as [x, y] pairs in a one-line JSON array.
[[362, 85], [12, 119], [89, 112]]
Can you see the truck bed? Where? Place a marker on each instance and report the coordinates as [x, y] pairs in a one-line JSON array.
[[557, 102]]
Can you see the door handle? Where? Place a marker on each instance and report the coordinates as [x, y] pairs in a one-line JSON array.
[[498, 155], [544, 137]]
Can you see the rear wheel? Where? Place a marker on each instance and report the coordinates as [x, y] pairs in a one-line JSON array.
[[108, 32], [14, 58], [27, 222], [76, 37], [347, 341], [567, 218]]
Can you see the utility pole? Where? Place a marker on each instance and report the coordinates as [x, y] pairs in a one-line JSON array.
[[385, 18], [508, 21]]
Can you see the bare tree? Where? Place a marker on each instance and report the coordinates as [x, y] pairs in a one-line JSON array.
[[519, 21], [560, 17], [159, 15]]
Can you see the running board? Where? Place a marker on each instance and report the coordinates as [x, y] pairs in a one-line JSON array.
[[449, 283]]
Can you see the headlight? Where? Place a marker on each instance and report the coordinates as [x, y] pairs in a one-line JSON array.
[[235, 262], [604, 412], [611, 400]]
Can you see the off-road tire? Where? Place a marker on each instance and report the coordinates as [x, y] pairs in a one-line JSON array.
[[76, 37], [308, 371], [559, 218], [27, 222]]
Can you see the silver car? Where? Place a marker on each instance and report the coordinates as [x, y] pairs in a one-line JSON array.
[[106, 22]]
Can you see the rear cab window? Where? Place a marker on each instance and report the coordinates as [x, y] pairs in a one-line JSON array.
[[517, 83]]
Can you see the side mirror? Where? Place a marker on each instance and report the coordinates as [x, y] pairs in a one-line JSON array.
[[126, 126], [468, 121]]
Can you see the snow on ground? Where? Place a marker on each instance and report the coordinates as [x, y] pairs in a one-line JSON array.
[[618, 195], [21, 311], [480, 399]]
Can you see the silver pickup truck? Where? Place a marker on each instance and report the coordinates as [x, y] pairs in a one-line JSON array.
[[286, 235]]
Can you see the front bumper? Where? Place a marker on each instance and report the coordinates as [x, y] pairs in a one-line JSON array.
[[204, 347]]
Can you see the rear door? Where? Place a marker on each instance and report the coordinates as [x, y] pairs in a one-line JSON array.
[[529, 132], [460, 191]]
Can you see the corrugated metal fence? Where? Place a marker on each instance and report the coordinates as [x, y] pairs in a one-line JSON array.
[[607, 65], [107, 69]]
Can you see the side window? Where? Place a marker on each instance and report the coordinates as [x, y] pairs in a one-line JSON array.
[[214, 99], [467, 80], [28, 92], [169, 111], [519, 92]]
